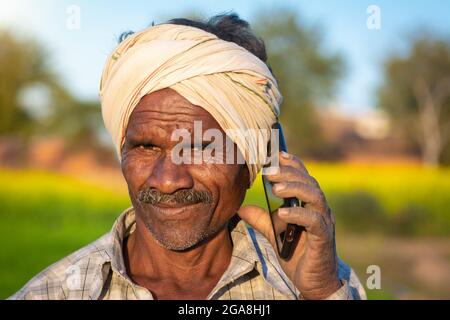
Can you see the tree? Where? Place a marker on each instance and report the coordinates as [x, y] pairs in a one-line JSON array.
[[78, 122], [306, 74], [22, 63], [416, 93]]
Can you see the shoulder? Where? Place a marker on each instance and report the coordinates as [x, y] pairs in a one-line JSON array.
[[71, 276], [272, 270], [348, 274]]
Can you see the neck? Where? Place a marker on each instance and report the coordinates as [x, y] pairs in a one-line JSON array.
[[148, 263]]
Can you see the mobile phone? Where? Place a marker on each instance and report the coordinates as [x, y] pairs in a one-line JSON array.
[[286, 240]]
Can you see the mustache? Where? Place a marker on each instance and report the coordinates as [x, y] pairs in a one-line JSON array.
[[184, 196]]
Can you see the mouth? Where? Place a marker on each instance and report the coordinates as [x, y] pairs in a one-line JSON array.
[[175, 211]]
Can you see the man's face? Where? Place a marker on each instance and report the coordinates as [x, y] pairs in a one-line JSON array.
[[180, 204]]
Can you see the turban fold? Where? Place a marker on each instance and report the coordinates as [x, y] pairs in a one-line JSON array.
[[229, 82]]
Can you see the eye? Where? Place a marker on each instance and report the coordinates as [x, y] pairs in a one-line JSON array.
[[147, 147], [201, 147]]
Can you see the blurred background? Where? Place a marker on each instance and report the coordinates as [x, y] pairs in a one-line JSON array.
[[367, 106]]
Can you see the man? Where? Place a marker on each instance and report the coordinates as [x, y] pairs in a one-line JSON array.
[[182, 239]]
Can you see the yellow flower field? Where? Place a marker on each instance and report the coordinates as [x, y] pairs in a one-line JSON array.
[[45, 216]]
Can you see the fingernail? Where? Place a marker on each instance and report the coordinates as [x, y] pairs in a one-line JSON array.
[[279, 186], [270, 171], [285, 155], [283, 212]]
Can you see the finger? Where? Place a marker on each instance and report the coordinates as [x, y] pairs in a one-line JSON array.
[[258, 219], [278, 224], [312, 197], [293, 161], [314, 222], [288, 173]]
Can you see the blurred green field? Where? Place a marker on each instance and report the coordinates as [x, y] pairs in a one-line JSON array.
[[46, 216], [390, 199]]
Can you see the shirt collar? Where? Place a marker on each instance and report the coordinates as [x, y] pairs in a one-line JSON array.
[[250, 250]]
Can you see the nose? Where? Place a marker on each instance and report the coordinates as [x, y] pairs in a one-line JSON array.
[[169, 177]]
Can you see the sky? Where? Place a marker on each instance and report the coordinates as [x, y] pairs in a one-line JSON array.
[[78, 51]]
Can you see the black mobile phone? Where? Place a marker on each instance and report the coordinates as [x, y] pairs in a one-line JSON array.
[[286, 240]]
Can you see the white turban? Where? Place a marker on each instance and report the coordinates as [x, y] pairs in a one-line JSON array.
[[229, 82]]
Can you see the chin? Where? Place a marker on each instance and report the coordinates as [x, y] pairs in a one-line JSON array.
[[180, 234], [178, 239]]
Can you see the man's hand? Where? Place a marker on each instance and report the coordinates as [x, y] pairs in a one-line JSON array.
[[313, 266]]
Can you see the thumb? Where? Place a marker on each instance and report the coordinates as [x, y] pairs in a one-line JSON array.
[[257, 218]]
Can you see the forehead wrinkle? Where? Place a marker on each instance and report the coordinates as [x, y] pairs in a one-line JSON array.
[[170, 116], [149, 118], [170, 110], [165, 102], [162, 127], [171, 102], [146, 126], [170, 106]]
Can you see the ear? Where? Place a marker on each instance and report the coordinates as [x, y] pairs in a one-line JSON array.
[[246, 176]]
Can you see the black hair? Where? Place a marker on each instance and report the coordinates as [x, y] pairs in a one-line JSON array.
[[228, 27]]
